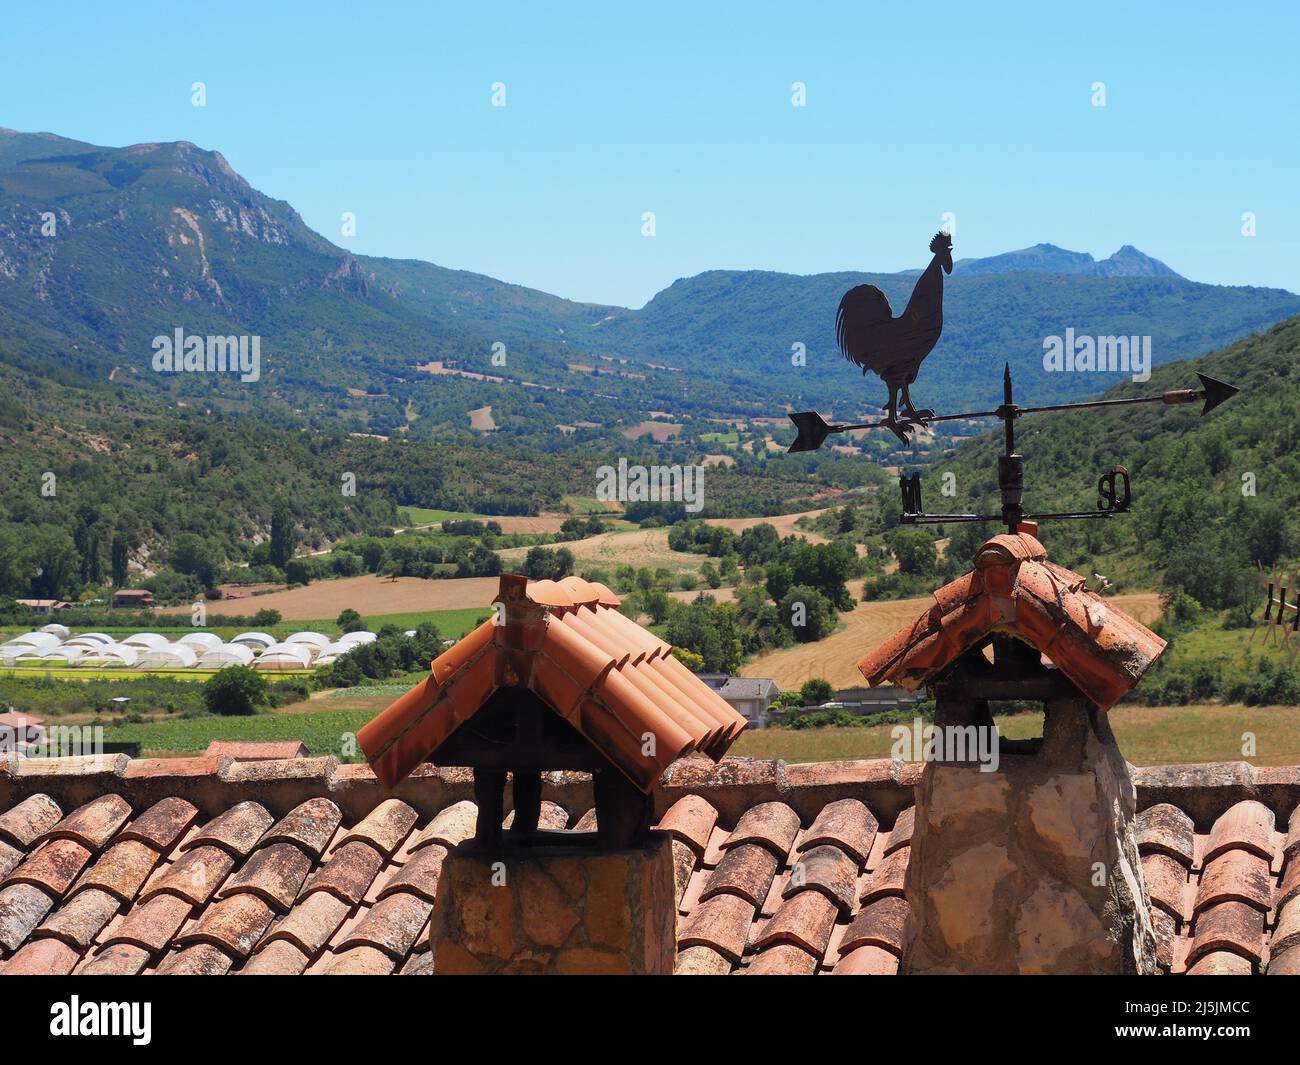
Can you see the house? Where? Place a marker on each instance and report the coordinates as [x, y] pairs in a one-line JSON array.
[[133, 597], [20, 731], [750, 697], [42, 607]]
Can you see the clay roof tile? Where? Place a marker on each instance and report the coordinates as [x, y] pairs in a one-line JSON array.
[[1248, 825], [28, 820]]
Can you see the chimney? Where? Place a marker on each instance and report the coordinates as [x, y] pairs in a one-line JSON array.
[[1024, 858], [558, 679]]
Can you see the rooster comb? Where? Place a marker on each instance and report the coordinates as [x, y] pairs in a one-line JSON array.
[[942, 242]]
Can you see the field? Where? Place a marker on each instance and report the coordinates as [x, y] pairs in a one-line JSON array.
[[324, 732], [835, 658], [510, 523], [373, 596], [641, 547], [1147, 735], [784, 524]]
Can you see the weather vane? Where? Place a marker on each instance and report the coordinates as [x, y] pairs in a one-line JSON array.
[[894, 348]]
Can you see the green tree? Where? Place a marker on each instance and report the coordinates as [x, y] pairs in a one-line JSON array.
[[915, 552], [282, 536], [350, 621], [120, 554], [236, 690], [816, 691]]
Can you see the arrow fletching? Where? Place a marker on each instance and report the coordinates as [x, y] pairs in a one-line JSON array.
[[812, 428]]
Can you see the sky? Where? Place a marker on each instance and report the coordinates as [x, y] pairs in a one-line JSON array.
[[913, 114]]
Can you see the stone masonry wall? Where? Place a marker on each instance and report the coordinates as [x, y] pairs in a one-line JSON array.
[[1031, 868], [556, 910]]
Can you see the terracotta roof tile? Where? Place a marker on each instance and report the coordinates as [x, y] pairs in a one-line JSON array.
[[782, 960], [1166, 879], [701, 960], [311, 923], [278, 958], [80, 920], [889, 876], [772, 824], [120, 959], [162, 824], [1291, 846], [1166, 930], [392, 924], [881, 923], [28, 820], [1166, 828], [1235, 926], [1015, 590], [1221, 963], [901, 834], [450, 826], [828, 870], [722, 923], [552, 817], [1235, 874], [566, 641], [10, 858], [845, 823], [1248, 824], [867, 961], [691, 819], [194, 876], [201, 959], [310, 825], [54, 865], [93, 824], [235, 924], [1286, 935], [805, 920], [274, 874], [236, 831], [420, 875], [384, 827], [348, 872], [359, 961], [1289, 886], [342, 918], [684, 863], [122, 869], [150, 925], [22, 908], [42, 957], [746, 870]]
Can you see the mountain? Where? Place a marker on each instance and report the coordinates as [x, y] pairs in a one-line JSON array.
[[103, 250], [1049, 259]]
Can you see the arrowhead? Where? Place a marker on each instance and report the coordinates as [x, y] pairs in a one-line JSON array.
[[1216, 392], [813, 431]]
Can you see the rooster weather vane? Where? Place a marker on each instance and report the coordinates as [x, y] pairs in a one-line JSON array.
[[871, 337]]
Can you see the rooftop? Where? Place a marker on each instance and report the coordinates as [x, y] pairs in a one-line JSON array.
[[566, 642], [215, 865], [1014, 590]]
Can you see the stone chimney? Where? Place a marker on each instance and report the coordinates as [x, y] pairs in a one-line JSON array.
[[1024, 858], [557, 680]]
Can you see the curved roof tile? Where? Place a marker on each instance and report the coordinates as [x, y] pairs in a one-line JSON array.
[[565, 641], [1015, 590]]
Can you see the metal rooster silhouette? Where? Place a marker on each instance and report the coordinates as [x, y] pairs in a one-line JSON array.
[[870, 336]]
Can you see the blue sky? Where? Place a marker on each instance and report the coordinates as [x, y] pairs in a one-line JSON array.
[[613, 110]]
